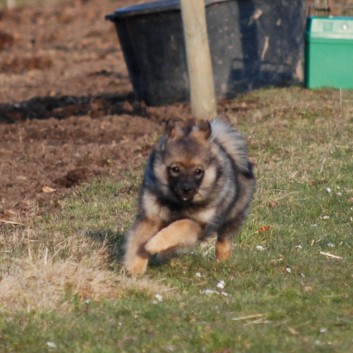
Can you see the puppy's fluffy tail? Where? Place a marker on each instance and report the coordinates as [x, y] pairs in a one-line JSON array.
[[232, 142]]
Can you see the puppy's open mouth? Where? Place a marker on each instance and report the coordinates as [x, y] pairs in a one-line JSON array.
[[187, 198]]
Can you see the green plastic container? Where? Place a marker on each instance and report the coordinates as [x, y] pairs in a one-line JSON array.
[[329, 52]]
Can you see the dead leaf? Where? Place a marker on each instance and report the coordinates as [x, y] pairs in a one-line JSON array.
[[263, 229], [293, 331], [273, 204], [48, 189]]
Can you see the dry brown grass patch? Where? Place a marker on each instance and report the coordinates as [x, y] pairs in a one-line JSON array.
[[34, 279], [38, 285]]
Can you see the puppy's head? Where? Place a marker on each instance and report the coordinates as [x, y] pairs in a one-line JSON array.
[[184, 158]]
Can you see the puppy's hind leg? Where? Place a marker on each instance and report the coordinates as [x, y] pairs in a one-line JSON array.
[[178, 235], [223, 246]]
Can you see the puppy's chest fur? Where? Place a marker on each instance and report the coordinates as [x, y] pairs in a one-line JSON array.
[[166, 213]]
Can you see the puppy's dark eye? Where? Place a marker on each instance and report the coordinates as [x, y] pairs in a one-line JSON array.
[[174, 170], [198, 172]]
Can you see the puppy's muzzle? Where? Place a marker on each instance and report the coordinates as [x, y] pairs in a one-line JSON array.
[[187, 191]]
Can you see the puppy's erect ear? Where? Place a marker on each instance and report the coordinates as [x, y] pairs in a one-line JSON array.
[[177, 128], [201, 130], [173, 128]]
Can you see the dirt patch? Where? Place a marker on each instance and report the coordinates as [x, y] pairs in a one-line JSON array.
[[67, 109], [20, 65], [6, 40]]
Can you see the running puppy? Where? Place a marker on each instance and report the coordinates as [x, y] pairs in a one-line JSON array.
[[198, 183]]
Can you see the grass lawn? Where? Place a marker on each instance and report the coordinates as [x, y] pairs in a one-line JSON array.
[[287, 288]]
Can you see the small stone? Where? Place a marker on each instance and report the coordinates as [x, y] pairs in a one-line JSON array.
[[221, 285]]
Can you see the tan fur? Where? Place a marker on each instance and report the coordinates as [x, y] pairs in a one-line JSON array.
[[136, 257], [153, 210], [179, 234], [223, 249]]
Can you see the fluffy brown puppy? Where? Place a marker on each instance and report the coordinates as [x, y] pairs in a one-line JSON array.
[[198, 183]]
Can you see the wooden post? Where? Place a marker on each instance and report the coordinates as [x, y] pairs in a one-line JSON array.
[[10, 3], [202, 92]]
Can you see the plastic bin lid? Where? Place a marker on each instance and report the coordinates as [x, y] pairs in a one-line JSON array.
[[330, 27], [152, 7]]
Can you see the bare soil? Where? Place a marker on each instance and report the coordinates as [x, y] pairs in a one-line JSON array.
[[67, 109]]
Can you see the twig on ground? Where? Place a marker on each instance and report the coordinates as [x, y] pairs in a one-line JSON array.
[[248, 317], [331, 255], [11, 222]]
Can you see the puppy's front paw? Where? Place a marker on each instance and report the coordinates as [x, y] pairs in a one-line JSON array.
[[137, 266], [157, 244]]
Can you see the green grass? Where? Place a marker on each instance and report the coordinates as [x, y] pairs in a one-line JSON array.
[[285, 296]]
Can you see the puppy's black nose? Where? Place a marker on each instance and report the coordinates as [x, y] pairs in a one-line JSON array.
[[187, 189]]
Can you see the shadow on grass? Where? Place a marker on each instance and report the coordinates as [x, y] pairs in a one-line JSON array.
[[113, 241]]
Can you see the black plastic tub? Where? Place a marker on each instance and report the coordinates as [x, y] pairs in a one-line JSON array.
[[253, 43]]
